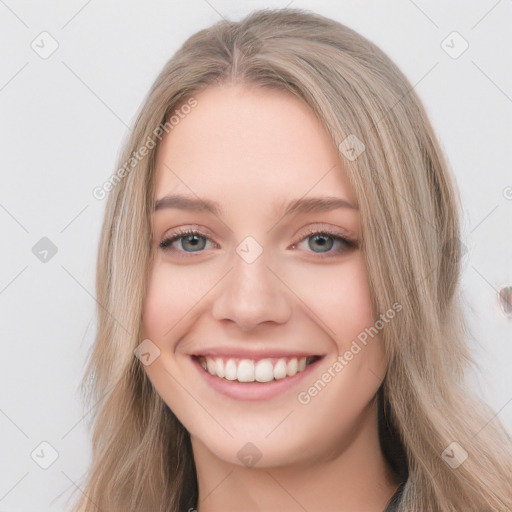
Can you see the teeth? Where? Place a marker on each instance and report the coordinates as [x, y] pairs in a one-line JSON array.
[[280, 369], [210, 366], [247, 370], [219, 367], [292, 367], [230, 370], [264, 371]]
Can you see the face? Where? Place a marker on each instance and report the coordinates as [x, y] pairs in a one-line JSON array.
[[258, 295]]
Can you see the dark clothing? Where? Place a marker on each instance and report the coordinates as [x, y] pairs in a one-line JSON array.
[[395, 499], [393, 450]]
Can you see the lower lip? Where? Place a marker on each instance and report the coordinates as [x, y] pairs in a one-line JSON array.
[[253, 390]]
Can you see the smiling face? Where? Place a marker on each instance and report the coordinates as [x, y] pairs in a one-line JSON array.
[[258, 284]]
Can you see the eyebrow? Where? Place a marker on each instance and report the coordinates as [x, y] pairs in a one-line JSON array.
[[188, 203], [301, 205]]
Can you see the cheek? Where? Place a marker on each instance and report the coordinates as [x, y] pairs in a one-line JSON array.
[[355, 308], [339, 296], [170, 295], [156, 303], [175, 293], [341, 302]]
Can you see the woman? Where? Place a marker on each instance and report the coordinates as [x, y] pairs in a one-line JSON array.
[[281, 253]]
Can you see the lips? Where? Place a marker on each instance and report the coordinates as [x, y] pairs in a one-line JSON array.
[[248, 388]]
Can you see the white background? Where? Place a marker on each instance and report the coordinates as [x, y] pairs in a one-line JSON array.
[[63, 120]]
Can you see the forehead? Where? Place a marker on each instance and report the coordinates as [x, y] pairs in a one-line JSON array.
[[250, 143]]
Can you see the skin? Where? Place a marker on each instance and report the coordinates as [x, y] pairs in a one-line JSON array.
[[253, 150]]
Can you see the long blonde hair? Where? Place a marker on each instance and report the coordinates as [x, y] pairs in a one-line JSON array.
[[141, 454]]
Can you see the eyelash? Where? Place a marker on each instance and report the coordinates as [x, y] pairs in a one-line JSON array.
[[165, 244]]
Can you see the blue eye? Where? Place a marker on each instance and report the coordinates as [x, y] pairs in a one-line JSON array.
[[191, 241], [323, 242]]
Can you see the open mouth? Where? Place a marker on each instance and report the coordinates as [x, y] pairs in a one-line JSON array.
[[251, 370]]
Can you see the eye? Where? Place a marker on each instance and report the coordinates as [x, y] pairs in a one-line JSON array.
[[187, 241], [326, 243]]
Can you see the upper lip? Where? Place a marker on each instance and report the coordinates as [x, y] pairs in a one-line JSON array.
[[244, 353]]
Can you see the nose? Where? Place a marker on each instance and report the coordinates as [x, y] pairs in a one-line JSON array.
[[251, 295]]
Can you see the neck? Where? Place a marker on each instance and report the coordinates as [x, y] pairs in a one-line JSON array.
[[355, 479]]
